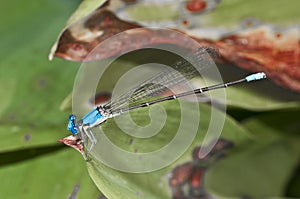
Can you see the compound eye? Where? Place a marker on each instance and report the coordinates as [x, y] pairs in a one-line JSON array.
[[72, 117]]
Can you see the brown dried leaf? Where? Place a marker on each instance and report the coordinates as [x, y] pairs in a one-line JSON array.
[[82, 37], [260, 48], [83, 10], [264, 49]]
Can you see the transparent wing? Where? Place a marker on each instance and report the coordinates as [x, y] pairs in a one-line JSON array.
[[182, 70]]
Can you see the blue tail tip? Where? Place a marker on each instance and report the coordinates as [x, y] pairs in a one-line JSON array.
[[256, 76]]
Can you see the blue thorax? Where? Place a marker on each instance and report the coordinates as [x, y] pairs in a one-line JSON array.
[[92, 119]]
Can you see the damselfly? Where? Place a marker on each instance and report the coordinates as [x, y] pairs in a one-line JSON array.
[[131, 100]]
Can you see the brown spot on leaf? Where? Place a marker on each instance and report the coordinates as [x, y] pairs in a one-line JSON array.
[[130, 1], [187, 180], [181, 174], [130, 141], [196, 6], [42, 82], [27, 137]]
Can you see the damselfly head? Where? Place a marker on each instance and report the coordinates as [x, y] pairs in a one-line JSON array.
[[72, 127]]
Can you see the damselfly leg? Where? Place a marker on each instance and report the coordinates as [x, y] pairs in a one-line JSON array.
[[86, 130]]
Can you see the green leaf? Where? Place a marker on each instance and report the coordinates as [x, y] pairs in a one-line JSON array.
[[261, 95], [278, 124], [283, 123], [264, 167], [231, 12], [31, 90], [36, 87], [293, 186], [155, 12], [84, 9], [50, 176], [23, 137], [257, 97], [259, 169], [117, 184], [32, 87]]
